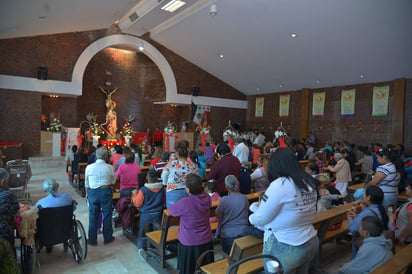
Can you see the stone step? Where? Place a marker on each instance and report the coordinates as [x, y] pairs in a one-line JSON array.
[[46, 161]]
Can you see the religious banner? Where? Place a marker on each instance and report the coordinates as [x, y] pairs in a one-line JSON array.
[[380, 101], [318, 104], [284, 105], [260, 102], [347, 102]]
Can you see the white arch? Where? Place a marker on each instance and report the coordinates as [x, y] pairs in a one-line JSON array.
[[131, 41], [76, 85]]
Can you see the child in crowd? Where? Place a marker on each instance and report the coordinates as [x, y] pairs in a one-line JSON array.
[[320, 160], [374, 251], [312, 168], [325, 197], [210, 188], [159, 166], [195, 235], [150, 201]]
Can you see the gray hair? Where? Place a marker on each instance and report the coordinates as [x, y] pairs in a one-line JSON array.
[[101, 153], [50, 185], [232, 183], [4, 175], [338, 155]]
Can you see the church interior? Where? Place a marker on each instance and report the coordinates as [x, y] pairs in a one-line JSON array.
[[248, 65]]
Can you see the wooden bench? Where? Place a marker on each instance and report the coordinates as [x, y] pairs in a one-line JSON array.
[[158, 240], [80, 178], [399, 263], [242, 248], [329, 217]]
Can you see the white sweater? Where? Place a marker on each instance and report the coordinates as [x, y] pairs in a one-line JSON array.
[[287, 212]]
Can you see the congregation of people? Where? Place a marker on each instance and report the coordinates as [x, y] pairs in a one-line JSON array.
[[187, 182]]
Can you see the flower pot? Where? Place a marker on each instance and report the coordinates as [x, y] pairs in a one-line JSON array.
[[56, 143], [128, 140]]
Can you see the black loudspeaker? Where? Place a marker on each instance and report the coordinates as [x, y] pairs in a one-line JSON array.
[[42, 73], [195, 91]]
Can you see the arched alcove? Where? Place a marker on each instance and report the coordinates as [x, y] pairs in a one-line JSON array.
[[130, 42]]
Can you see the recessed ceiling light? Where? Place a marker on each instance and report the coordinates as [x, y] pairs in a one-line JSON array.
[[173, 5], [293, 35], [317, 81], [141, 46], [362, 76], [257, 89], [221, 56], [281, 86]]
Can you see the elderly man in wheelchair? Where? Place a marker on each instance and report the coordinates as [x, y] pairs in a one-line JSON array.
[[55, 199], [56, 224]]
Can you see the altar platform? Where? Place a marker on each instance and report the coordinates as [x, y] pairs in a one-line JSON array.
[[45, 161]]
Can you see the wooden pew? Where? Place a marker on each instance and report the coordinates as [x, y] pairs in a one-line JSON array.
[[303, 163], [80, 178], [167, 234], [158, 240], [242, 248], [329, 217], [399, 263]]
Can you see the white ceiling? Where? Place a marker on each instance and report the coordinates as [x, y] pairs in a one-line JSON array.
[[337, 40]]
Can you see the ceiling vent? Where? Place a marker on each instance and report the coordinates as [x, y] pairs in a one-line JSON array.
[[133, 17], [137, 12]]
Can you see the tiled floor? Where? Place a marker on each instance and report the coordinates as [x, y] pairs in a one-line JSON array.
[[121, 255]]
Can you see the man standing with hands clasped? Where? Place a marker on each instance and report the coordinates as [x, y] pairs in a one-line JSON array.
[[99, 180]]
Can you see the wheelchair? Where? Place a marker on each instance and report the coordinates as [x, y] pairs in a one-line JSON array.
[[20, 174], [55, 225]]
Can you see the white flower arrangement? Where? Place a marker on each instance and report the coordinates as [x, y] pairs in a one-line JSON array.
[[56, 126], [95, 128], [228, 133], [127, 129], [205, 130], [169, 129], [279, 133]]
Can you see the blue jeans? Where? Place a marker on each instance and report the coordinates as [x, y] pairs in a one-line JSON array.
[[389, 199], [100, 198], [227, 244], [144, 219], [127, 192], [294, 259], [175, 195]]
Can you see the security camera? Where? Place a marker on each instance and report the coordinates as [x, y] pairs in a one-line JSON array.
[[213, 10]]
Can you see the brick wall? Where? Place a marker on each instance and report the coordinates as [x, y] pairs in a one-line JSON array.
[[20, 120], [334, 126], [138, 79], [271, 120]]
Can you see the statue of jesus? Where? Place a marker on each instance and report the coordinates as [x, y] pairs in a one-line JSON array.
[[111, 116]]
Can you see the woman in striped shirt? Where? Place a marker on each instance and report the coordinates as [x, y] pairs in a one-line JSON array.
[[387, 176]]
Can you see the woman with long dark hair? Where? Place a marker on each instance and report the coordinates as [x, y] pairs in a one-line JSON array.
[[387, 176], [286, 211]]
